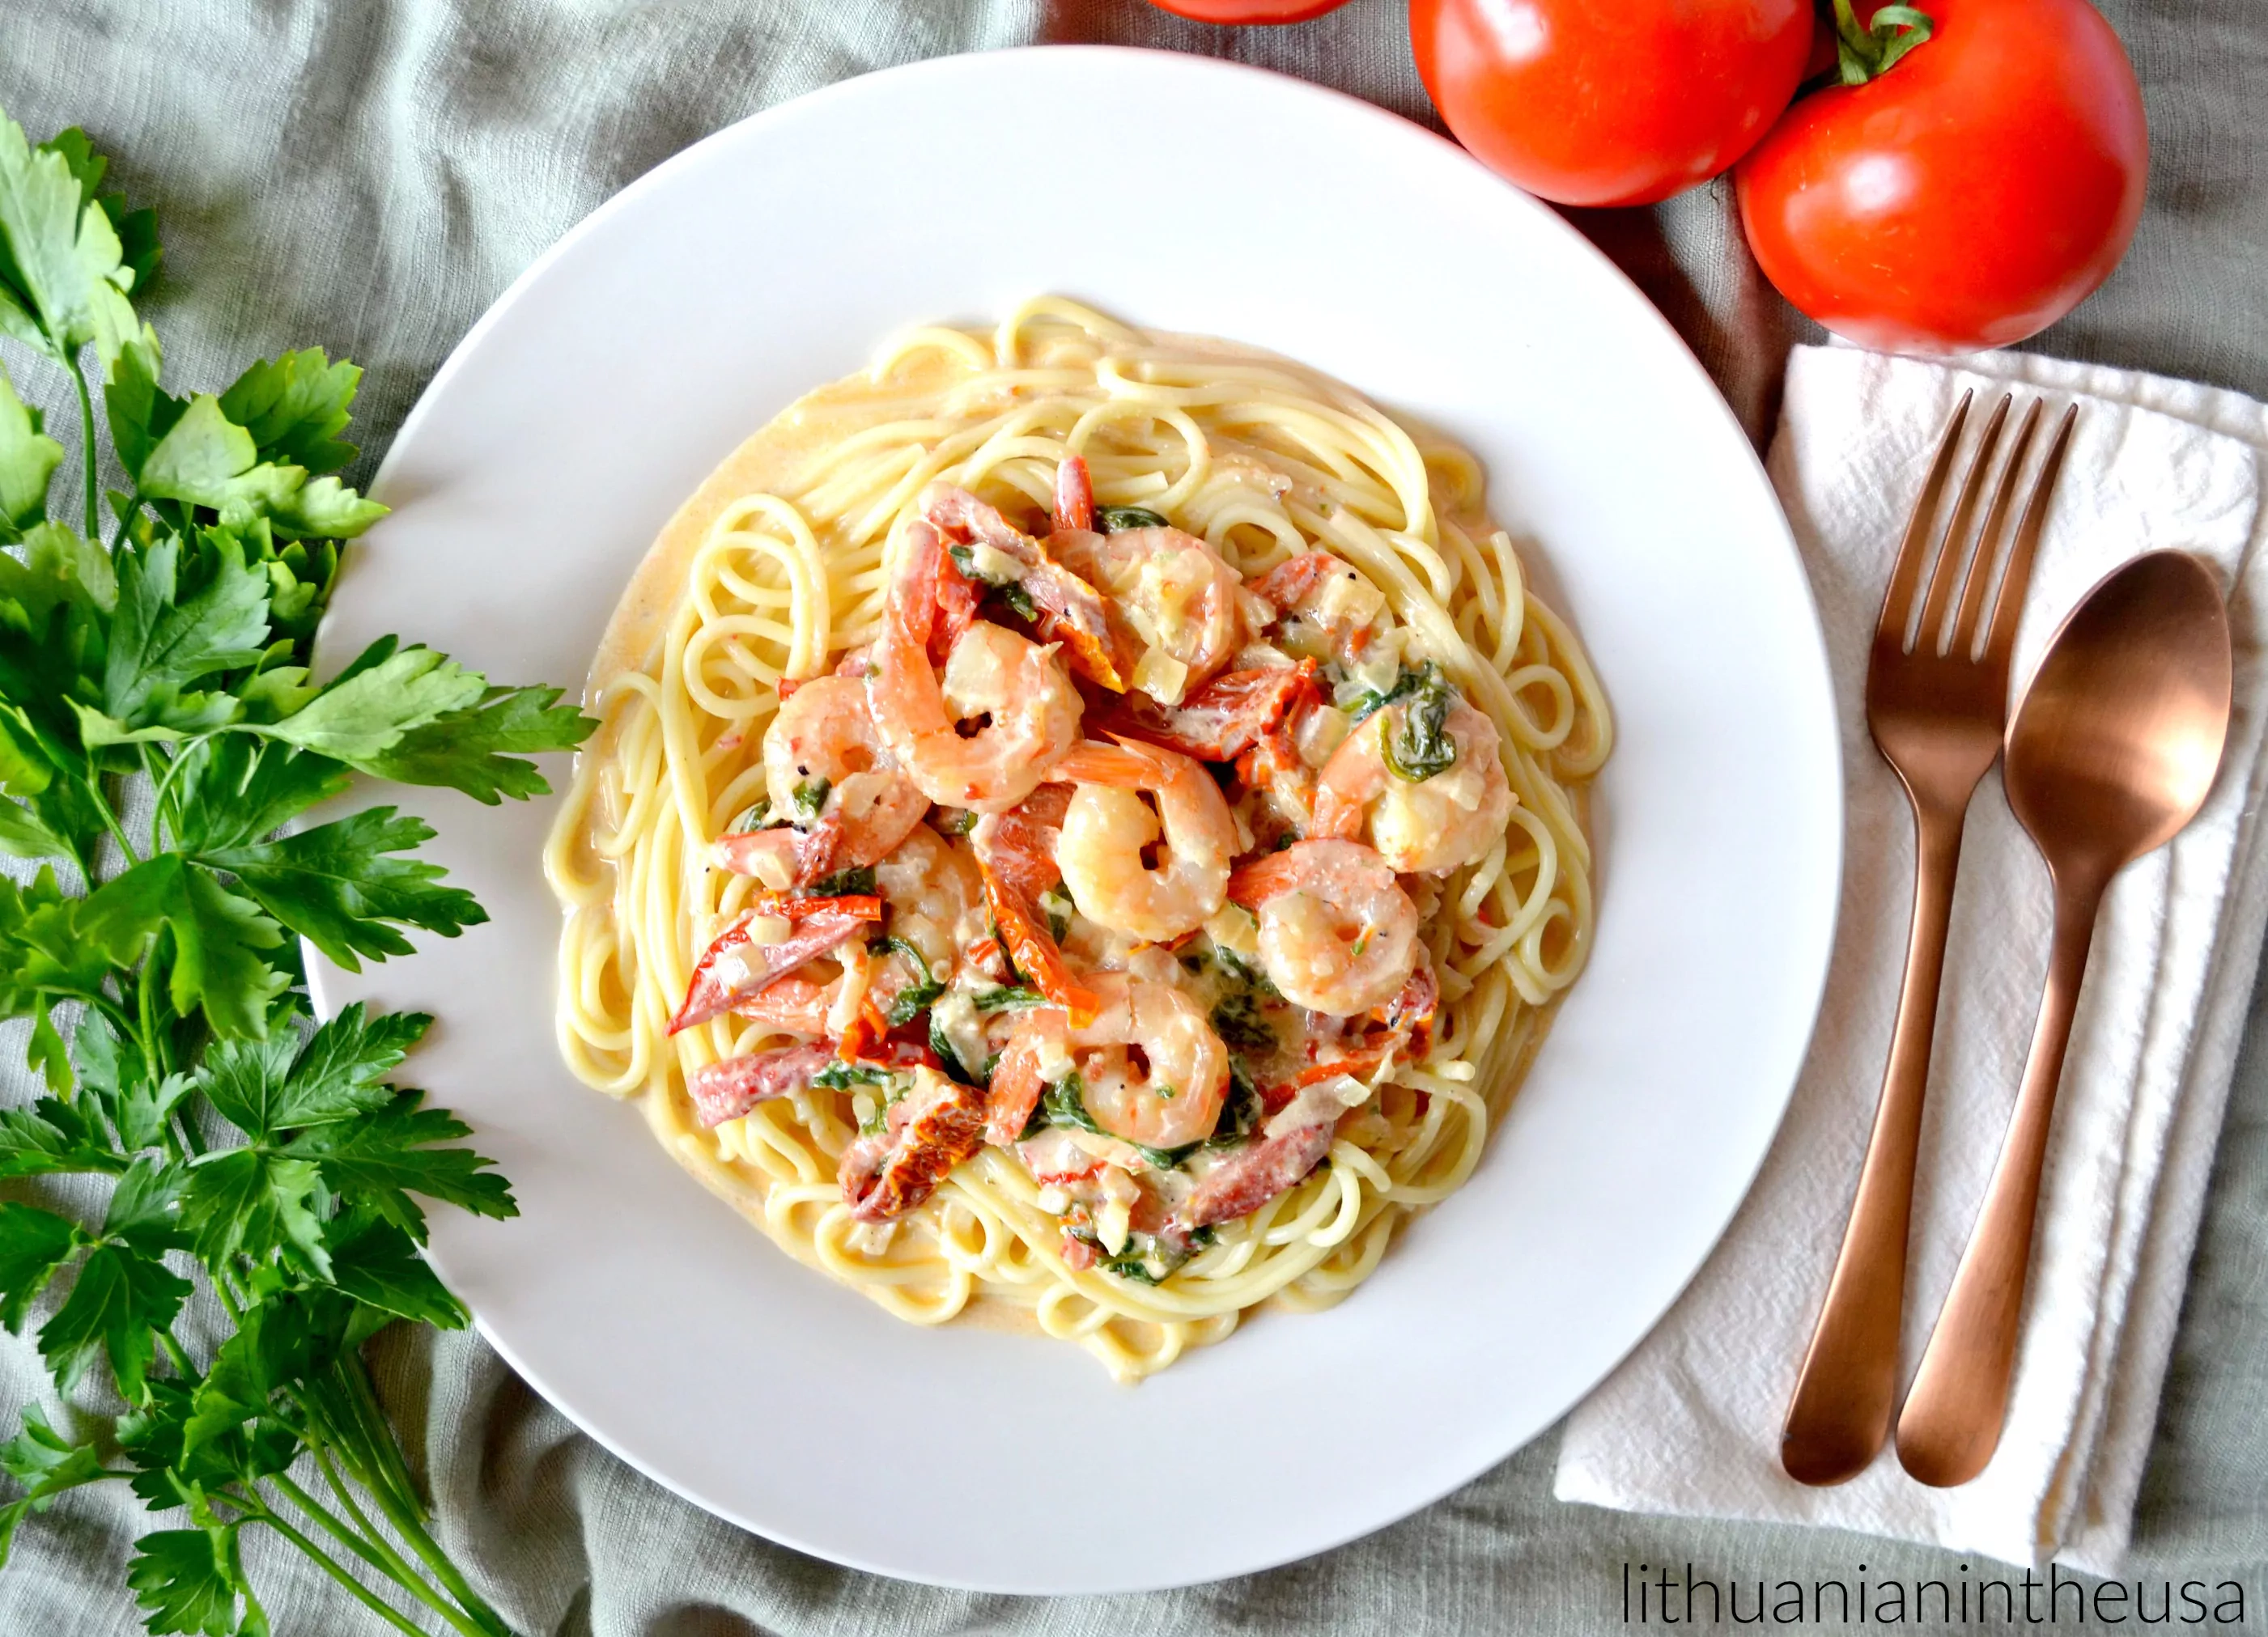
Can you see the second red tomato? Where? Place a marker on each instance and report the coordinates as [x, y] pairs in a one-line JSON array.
[[1591, 104]]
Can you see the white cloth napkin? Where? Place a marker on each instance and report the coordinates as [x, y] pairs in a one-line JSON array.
[[1689, 1423]]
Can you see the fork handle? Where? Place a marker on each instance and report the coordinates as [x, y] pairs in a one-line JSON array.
[[1951, 1421], [1839, 1416]]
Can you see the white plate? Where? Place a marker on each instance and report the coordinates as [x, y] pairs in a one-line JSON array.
[[774, 256]]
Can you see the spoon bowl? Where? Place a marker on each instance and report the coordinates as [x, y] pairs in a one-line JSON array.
[[2114, 746]]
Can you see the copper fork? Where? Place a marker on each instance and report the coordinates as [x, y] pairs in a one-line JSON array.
[[1937, 701]]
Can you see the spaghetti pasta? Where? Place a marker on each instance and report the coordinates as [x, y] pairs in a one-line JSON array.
[[785, 565]]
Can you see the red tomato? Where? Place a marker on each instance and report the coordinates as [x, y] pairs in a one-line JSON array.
[[1248, 10], [1968, 197], [1609, 102]]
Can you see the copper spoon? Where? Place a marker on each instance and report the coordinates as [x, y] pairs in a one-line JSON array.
[[2110, 753]]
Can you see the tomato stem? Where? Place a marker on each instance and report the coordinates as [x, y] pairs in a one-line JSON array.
[[1868, 53]]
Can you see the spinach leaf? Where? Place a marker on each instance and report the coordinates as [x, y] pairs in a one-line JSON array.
[[809, 797]]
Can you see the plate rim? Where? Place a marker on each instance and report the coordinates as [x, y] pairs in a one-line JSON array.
[[1827, 758]]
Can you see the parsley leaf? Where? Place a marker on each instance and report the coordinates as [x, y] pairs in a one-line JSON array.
[[46, 1464], [295, 407], [252, 1201], [28, 459], [120, 1297], [385, 693], [375, 1262], [234, 789], [334, 886], [188, 1579], [217, 940], [160, 641], [469, 749], [34, 1245], [381, 1158], [144, 1210], [52, 1136], [264, 1087], [1111, 519], [117, 1082], [63, 279]]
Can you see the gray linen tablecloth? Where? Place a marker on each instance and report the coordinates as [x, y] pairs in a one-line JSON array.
[[369, 174]]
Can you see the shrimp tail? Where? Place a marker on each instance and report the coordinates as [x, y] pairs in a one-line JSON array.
[[1086, 652], [956, 597], [1338, 817], [1252, 884], [912, 608], [1074, 506], [1016, 1083], [1288, 582], [1031, 947]]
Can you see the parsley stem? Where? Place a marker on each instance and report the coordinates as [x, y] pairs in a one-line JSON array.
[[164, 784], [330, 1566], [396, 1493], [340, 1488], [374, 1551], [126, 520], [86, 440], [145, 1005], [93, 784]]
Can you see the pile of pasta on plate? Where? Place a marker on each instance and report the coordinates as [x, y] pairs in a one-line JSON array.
[[1088, 826]]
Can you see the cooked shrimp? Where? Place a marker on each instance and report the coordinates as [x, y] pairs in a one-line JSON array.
[[1337, 934], [825, 765], [1018, 1081], [1025, 709], [1153, 1069], [1325, 607], [1427, 826], [1074, 507], [935, 898], [1175, 602], [1109, 829]]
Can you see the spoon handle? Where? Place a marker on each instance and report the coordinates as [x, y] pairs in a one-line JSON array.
[[1951, 1421], [1840, 1413]]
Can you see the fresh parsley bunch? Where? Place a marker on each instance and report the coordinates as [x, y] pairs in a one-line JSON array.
[[156, 950]]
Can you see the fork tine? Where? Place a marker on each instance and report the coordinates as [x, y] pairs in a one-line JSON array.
[[2010, 608], [1953, 555], [1965, 621], [1905, 572]]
